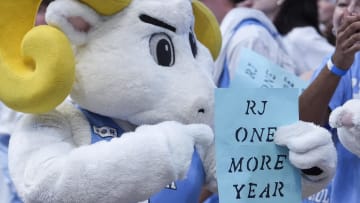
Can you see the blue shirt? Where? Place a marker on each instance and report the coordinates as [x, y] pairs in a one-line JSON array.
[[345, 187], [184, 191]]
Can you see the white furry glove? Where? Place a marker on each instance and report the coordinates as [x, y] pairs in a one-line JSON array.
[[310, 149], [181, 141], [346, 119]]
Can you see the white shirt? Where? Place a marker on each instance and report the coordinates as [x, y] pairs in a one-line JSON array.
[[254, 37], [307, 47]]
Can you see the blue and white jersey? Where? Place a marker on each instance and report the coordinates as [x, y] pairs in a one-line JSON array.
[[184, 191], [345, 187], [321, 197]]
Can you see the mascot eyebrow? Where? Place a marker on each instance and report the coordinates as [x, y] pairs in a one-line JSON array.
[[151, 20]]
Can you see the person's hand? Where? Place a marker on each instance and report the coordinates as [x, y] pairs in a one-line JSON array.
[[347, 41]]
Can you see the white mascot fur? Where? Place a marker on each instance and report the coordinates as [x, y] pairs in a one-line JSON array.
[[346, 119], [141, 112]]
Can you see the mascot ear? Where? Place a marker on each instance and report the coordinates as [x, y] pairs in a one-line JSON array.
[[207, 28], [75, 19], [107, 7], [36, 64]]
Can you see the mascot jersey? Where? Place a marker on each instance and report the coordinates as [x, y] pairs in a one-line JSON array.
[[345, 187], [184, 191]]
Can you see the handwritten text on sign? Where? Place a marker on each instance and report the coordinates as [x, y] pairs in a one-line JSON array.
[[254, 70], [250, 167]]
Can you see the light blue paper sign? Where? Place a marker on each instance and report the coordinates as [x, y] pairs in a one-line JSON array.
[[250, 167], [255, 70]]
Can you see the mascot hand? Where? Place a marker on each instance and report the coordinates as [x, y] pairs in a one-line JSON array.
[[346, 119], [181, 141], [310, 149]]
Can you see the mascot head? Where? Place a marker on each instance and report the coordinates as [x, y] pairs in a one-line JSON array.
[[143, 61]]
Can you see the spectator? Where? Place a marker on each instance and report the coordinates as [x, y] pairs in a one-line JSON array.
[[336, 82], [298, 22], [219, 7], [250, 28]]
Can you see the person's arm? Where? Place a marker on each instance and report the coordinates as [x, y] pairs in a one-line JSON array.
[[204, 195], [314, 101]]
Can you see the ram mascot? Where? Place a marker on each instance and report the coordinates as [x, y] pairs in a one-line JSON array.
[[137, 126]]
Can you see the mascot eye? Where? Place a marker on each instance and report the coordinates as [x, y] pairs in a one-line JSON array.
[[162, 49], [193, 44]]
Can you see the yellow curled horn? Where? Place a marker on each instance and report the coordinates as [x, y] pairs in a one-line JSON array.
[[107, 7], [36, 63], [207, 28]]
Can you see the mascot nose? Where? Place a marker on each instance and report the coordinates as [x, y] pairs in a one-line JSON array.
[[203, 114], [200, 108], [201, 111]]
